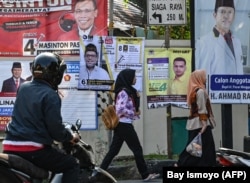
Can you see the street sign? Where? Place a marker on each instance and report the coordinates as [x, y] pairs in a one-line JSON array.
[[166, 12]]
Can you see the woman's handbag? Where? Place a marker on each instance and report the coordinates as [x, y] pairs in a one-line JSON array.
[[109, 117], [195, 146]]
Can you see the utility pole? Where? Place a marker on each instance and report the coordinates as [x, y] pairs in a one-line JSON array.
[[169, 107]]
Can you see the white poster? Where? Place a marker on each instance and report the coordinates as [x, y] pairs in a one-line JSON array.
[[103, 57], [222, 48]]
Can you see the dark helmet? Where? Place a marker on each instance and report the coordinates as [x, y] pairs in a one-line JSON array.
[[49, 67]]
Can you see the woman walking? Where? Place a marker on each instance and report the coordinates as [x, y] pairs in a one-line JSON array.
[[198, 122], [127, 103]]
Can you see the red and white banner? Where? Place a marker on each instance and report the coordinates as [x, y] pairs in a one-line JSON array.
[[31, 27]]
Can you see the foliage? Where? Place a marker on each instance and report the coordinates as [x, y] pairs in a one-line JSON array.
[[177, 32], [155, 157], [128, 160]]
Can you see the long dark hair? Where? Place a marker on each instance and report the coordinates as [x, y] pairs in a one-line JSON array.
[[124, 81]]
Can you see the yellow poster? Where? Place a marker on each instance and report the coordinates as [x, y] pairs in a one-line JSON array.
[[166, 75]]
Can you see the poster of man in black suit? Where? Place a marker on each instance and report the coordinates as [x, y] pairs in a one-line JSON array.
[[11, 84]]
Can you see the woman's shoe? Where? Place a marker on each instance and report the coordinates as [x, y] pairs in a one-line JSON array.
[[151, 177]]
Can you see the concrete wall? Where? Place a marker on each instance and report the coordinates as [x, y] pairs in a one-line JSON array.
[[152, 127]]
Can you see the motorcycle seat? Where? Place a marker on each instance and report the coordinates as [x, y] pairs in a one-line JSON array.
[[245, 155], [20, 164]]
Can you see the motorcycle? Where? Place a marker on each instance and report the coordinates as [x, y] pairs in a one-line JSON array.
[[14, 169], [227, 157]]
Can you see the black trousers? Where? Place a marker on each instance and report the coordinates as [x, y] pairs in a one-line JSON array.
[[126, 132], [51, 159]]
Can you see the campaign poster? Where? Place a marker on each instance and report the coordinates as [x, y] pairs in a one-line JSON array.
[[222, 48], [7, 102], [31, 27], [129, 54], [8, 86], [167, 73], [103, 57], [73, 107]]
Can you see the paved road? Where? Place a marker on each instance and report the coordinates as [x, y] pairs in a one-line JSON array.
[[137, 181]]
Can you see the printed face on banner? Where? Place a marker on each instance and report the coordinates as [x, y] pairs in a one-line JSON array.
[[32, 27], [222, 48], [103, 57], [94, 71]]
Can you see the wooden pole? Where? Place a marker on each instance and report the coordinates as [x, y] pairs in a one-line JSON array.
[[111, 31]]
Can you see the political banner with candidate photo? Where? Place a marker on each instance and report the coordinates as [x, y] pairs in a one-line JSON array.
[[103, 57], [72, 106], [222, 46], [31, 27], [167, 73], [20, 70], [7, 102]]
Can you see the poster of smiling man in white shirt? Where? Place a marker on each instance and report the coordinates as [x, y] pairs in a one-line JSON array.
[[93, 74]]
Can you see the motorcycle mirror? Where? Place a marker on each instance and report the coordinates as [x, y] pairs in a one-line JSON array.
[[78, 123]]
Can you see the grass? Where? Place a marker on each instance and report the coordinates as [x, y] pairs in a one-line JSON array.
[[128, 160]]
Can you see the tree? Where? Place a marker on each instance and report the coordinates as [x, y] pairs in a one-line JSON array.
[[176, 32]]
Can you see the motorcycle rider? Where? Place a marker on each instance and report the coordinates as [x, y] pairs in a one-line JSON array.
[[36, 120]]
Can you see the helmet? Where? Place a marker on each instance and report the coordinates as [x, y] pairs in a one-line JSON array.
[[49, 67]]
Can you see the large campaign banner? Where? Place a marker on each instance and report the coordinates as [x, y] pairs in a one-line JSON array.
[[167, 73], [31, 27], [75, 104], [222, 48], [103, 57]]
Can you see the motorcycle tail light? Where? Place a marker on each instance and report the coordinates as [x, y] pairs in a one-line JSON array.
[[224, 162]]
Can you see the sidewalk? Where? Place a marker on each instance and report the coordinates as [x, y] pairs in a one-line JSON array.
[[128, 173], [137, 181]]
